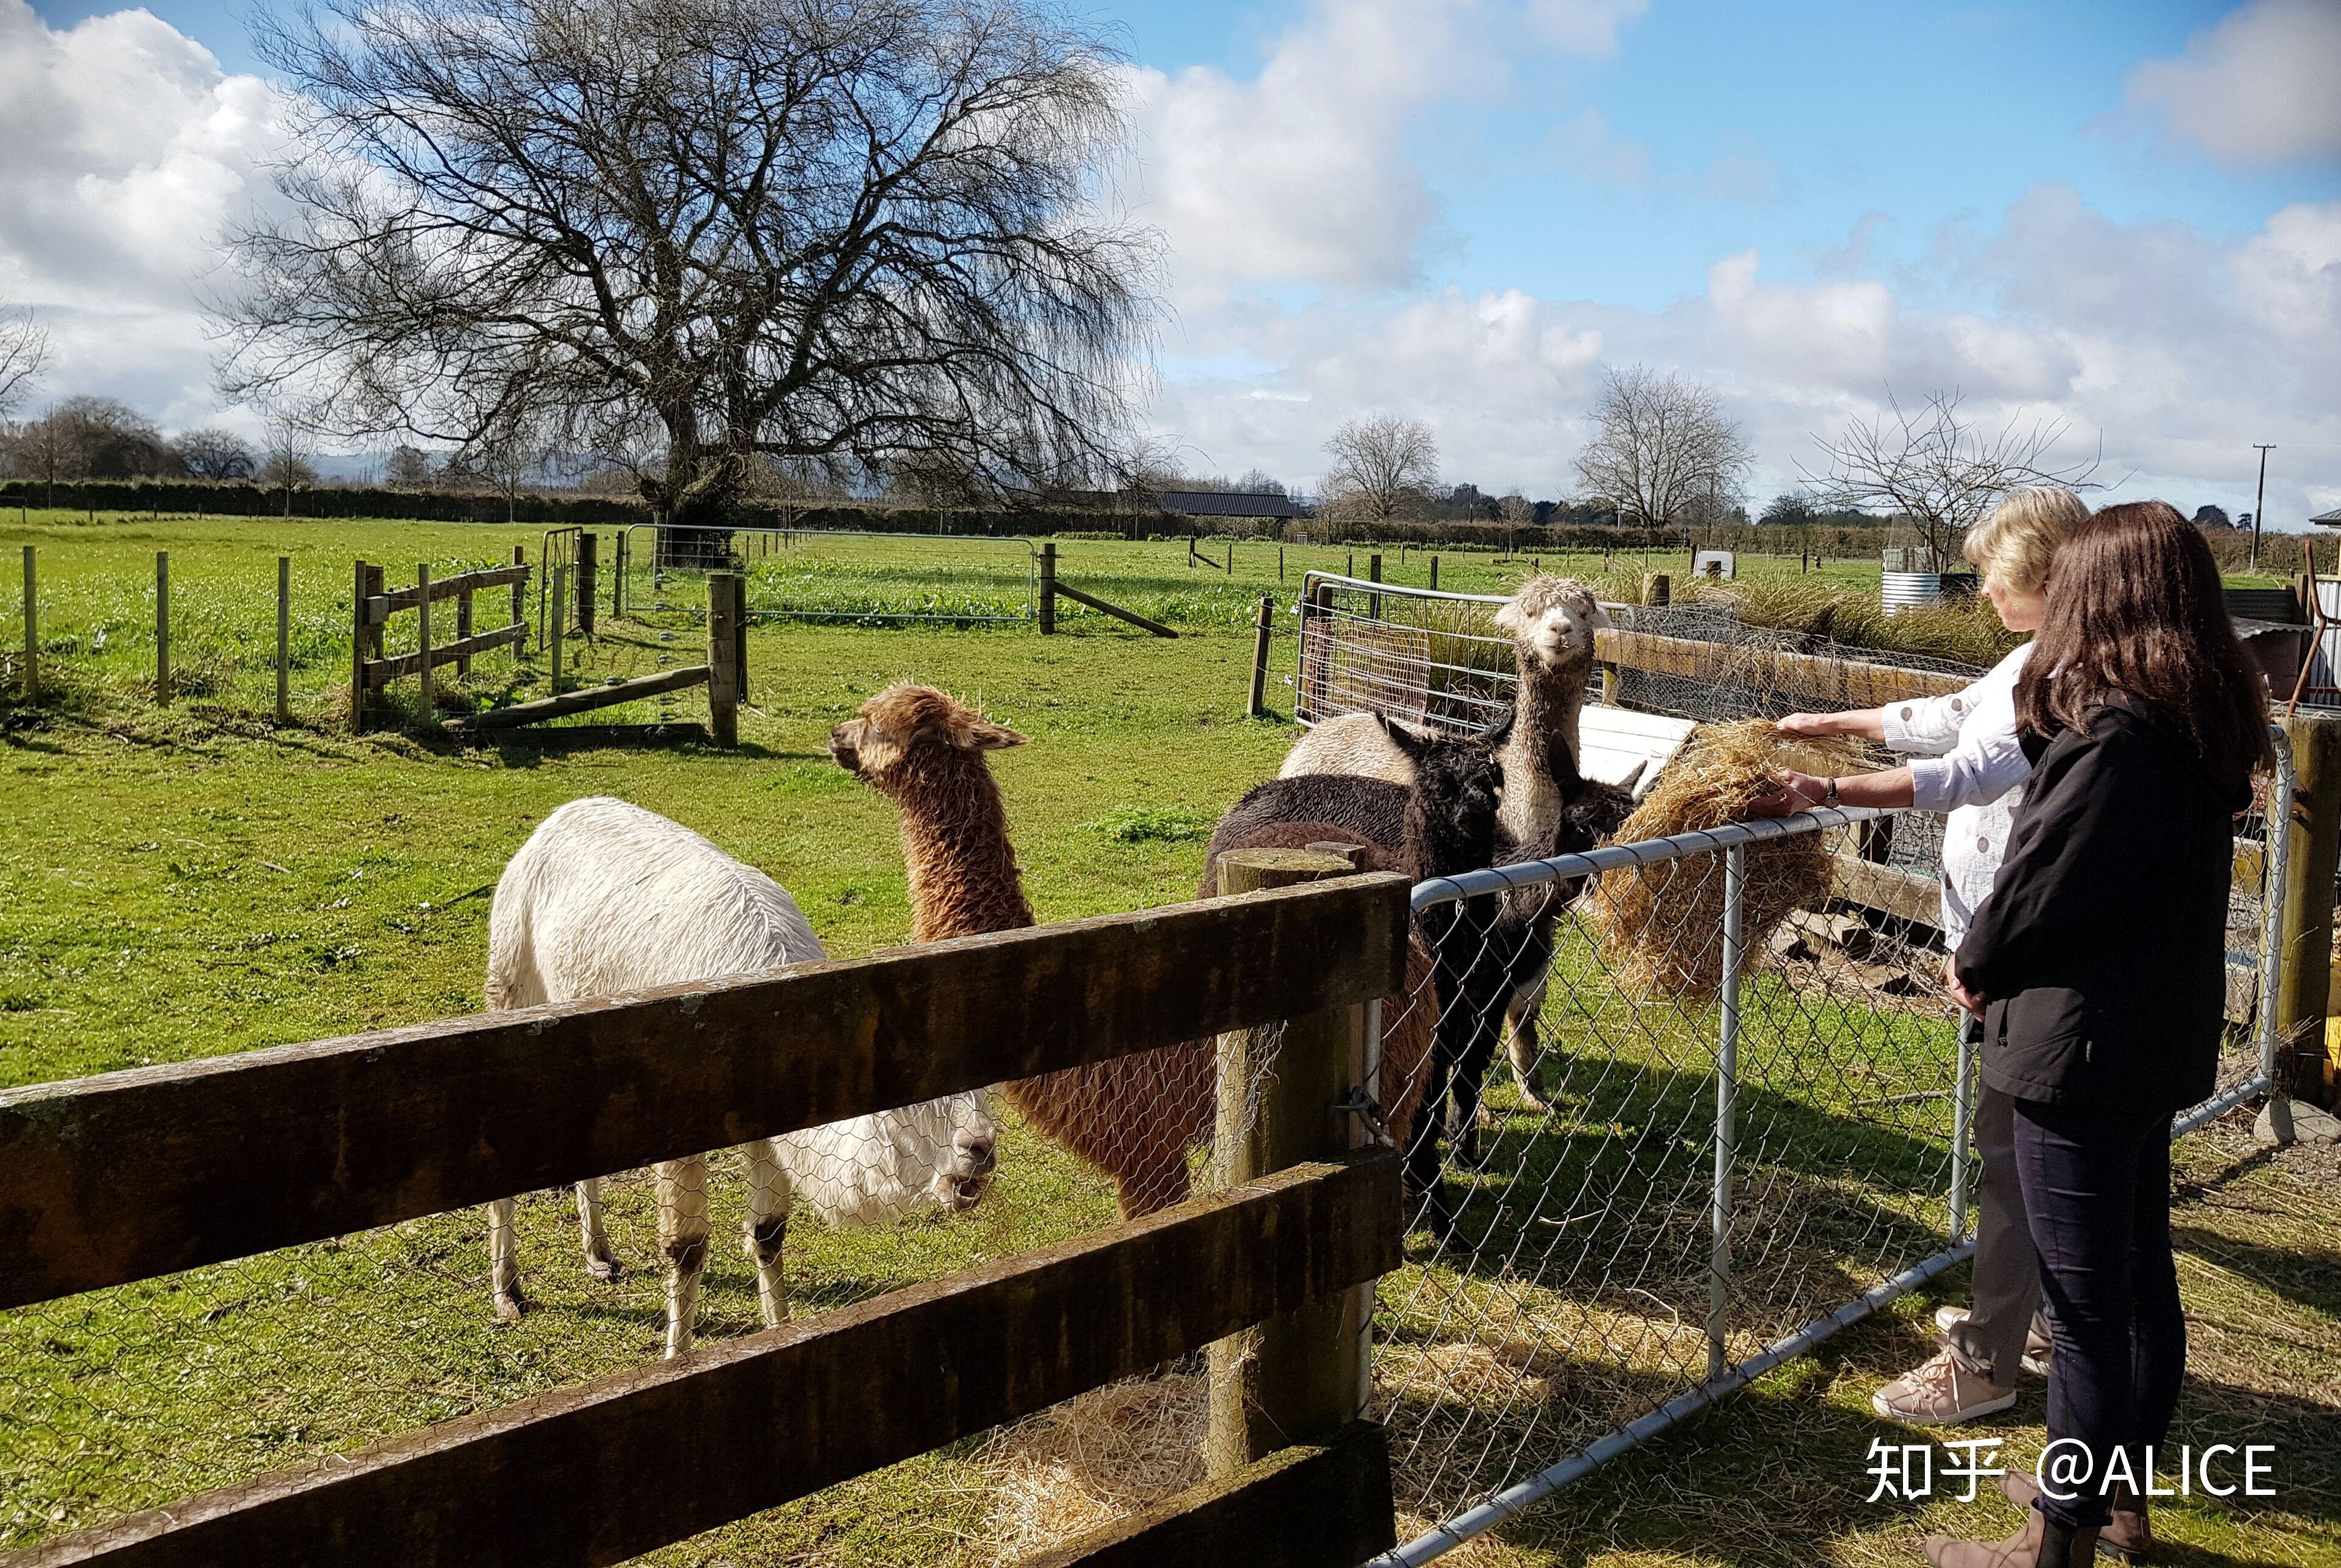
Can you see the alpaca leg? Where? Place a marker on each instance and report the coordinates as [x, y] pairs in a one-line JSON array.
[[1520, 1040], [683, 1236], [770, 1198], [600, 1261], [503, 1261], [1148, 1181]]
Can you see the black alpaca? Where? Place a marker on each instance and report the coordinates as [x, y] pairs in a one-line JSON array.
[[1443, 824]]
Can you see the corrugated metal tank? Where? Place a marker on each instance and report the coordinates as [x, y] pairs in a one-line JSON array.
[[1908, 590]]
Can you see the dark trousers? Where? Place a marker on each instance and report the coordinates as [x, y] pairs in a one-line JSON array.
[[2096, 1189]]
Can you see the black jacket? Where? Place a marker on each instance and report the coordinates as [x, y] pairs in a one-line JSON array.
[[2102, 949]]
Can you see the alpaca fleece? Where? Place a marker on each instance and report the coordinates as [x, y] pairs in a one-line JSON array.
[[1133, 1117], [606, 898]]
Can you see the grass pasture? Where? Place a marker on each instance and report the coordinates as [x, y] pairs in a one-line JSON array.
[[183, 882]]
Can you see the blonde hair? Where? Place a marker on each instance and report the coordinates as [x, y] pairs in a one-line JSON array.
[[2020, 536]]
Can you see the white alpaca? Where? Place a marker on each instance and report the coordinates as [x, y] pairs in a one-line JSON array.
[[606, 897], [1551, 621]]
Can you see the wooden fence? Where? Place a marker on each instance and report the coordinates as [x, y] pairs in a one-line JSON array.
[[371, 606], [130, 1176]]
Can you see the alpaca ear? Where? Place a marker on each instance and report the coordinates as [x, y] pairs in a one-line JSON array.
[[1507, 617], [976, 734], [1403, 736], [1597, 617]]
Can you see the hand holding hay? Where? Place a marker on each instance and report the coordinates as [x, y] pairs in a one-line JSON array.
[[1661, 926]]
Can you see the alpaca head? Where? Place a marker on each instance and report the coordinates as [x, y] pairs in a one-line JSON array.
[[1553, 621], [1450, 810], [959, 1181], [906, 727]]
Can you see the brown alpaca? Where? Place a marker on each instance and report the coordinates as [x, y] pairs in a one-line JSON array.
[[1134, 1118]]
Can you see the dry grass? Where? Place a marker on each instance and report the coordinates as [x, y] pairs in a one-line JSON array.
[[1661, 926], [1091, 1461]]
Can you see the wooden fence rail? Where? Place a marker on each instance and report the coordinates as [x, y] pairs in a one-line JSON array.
[[130, 1174], [609, 1469]]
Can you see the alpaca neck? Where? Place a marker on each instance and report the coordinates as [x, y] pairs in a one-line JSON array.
[[1550, 706], [962, 870]]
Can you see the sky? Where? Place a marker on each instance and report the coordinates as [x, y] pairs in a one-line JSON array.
[[2123, 217]]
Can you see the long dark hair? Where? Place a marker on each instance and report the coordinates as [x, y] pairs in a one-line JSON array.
[[2134, 608]]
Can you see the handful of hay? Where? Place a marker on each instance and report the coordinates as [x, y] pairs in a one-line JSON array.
[[1661, 926]]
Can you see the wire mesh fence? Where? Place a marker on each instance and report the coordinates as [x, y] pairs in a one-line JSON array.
[[1736, 1123]]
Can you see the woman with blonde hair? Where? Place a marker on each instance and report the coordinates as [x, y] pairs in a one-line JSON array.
[[1971, 766], [2098, 965]]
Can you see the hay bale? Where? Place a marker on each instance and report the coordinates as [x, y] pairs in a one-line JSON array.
[[1661, 926]]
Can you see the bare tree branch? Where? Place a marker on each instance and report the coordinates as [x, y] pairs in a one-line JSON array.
[[699, 237], [1938, 470], [24, 354], [1664, 443], [1380, 464]]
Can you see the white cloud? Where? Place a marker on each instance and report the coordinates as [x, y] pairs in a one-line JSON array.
[[2177, 350], [2257, 88], [124, 151], [1301, 177]]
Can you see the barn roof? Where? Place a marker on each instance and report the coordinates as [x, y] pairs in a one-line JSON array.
[[1227, 503], [2330, 519]]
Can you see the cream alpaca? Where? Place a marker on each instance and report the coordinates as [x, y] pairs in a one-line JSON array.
[[605, 898]]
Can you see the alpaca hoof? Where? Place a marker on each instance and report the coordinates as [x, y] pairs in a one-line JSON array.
[[1531, 1098], [605, 1268], [510, 1304]]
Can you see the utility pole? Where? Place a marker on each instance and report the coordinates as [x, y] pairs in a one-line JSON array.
[[2259, 506]]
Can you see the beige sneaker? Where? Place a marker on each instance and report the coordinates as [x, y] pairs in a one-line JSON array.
[[2037, 1350], [1942, 1393]]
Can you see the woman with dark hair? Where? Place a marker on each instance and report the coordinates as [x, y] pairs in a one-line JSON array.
[[2098, 966]]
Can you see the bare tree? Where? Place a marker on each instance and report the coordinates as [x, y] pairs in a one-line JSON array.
[[689, 235], [409, 468], [287, 461], [1664, 443], [1938, 470], [1380, 464], [1515, 510], [24, 354], [213, 454]]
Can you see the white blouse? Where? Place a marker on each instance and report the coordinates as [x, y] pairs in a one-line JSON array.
[[1970, 766]]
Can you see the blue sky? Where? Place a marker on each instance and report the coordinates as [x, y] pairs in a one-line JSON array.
[[2127, 216]]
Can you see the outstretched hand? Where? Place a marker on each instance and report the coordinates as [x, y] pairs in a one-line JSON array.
[[1790, 791], [1810, 727]]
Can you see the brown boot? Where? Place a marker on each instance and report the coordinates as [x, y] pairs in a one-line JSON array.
[[2127, 1538], [2042, 1544]]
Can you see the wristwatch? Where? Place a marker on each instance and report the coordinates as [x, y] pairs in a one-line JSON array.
[[1830, 798]]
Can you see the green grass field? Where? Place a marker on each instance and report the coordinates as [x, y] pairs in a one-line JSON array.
[[185, 881]]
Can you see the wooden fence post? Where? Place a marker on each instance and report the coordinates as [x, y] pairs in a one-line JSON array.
[[1280, 563], [422, 636], [723, 659], [2303, 975], [463, 631], [1658, 589], [284, 639], [31, 630], [618, 581], [520, 602], [1374, 601], [366, 637], [1048, 587], [560, 611], [740, 635], [589, 562], [1297, 1376], [1259, 657], [163, 627], [1434, 571]]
